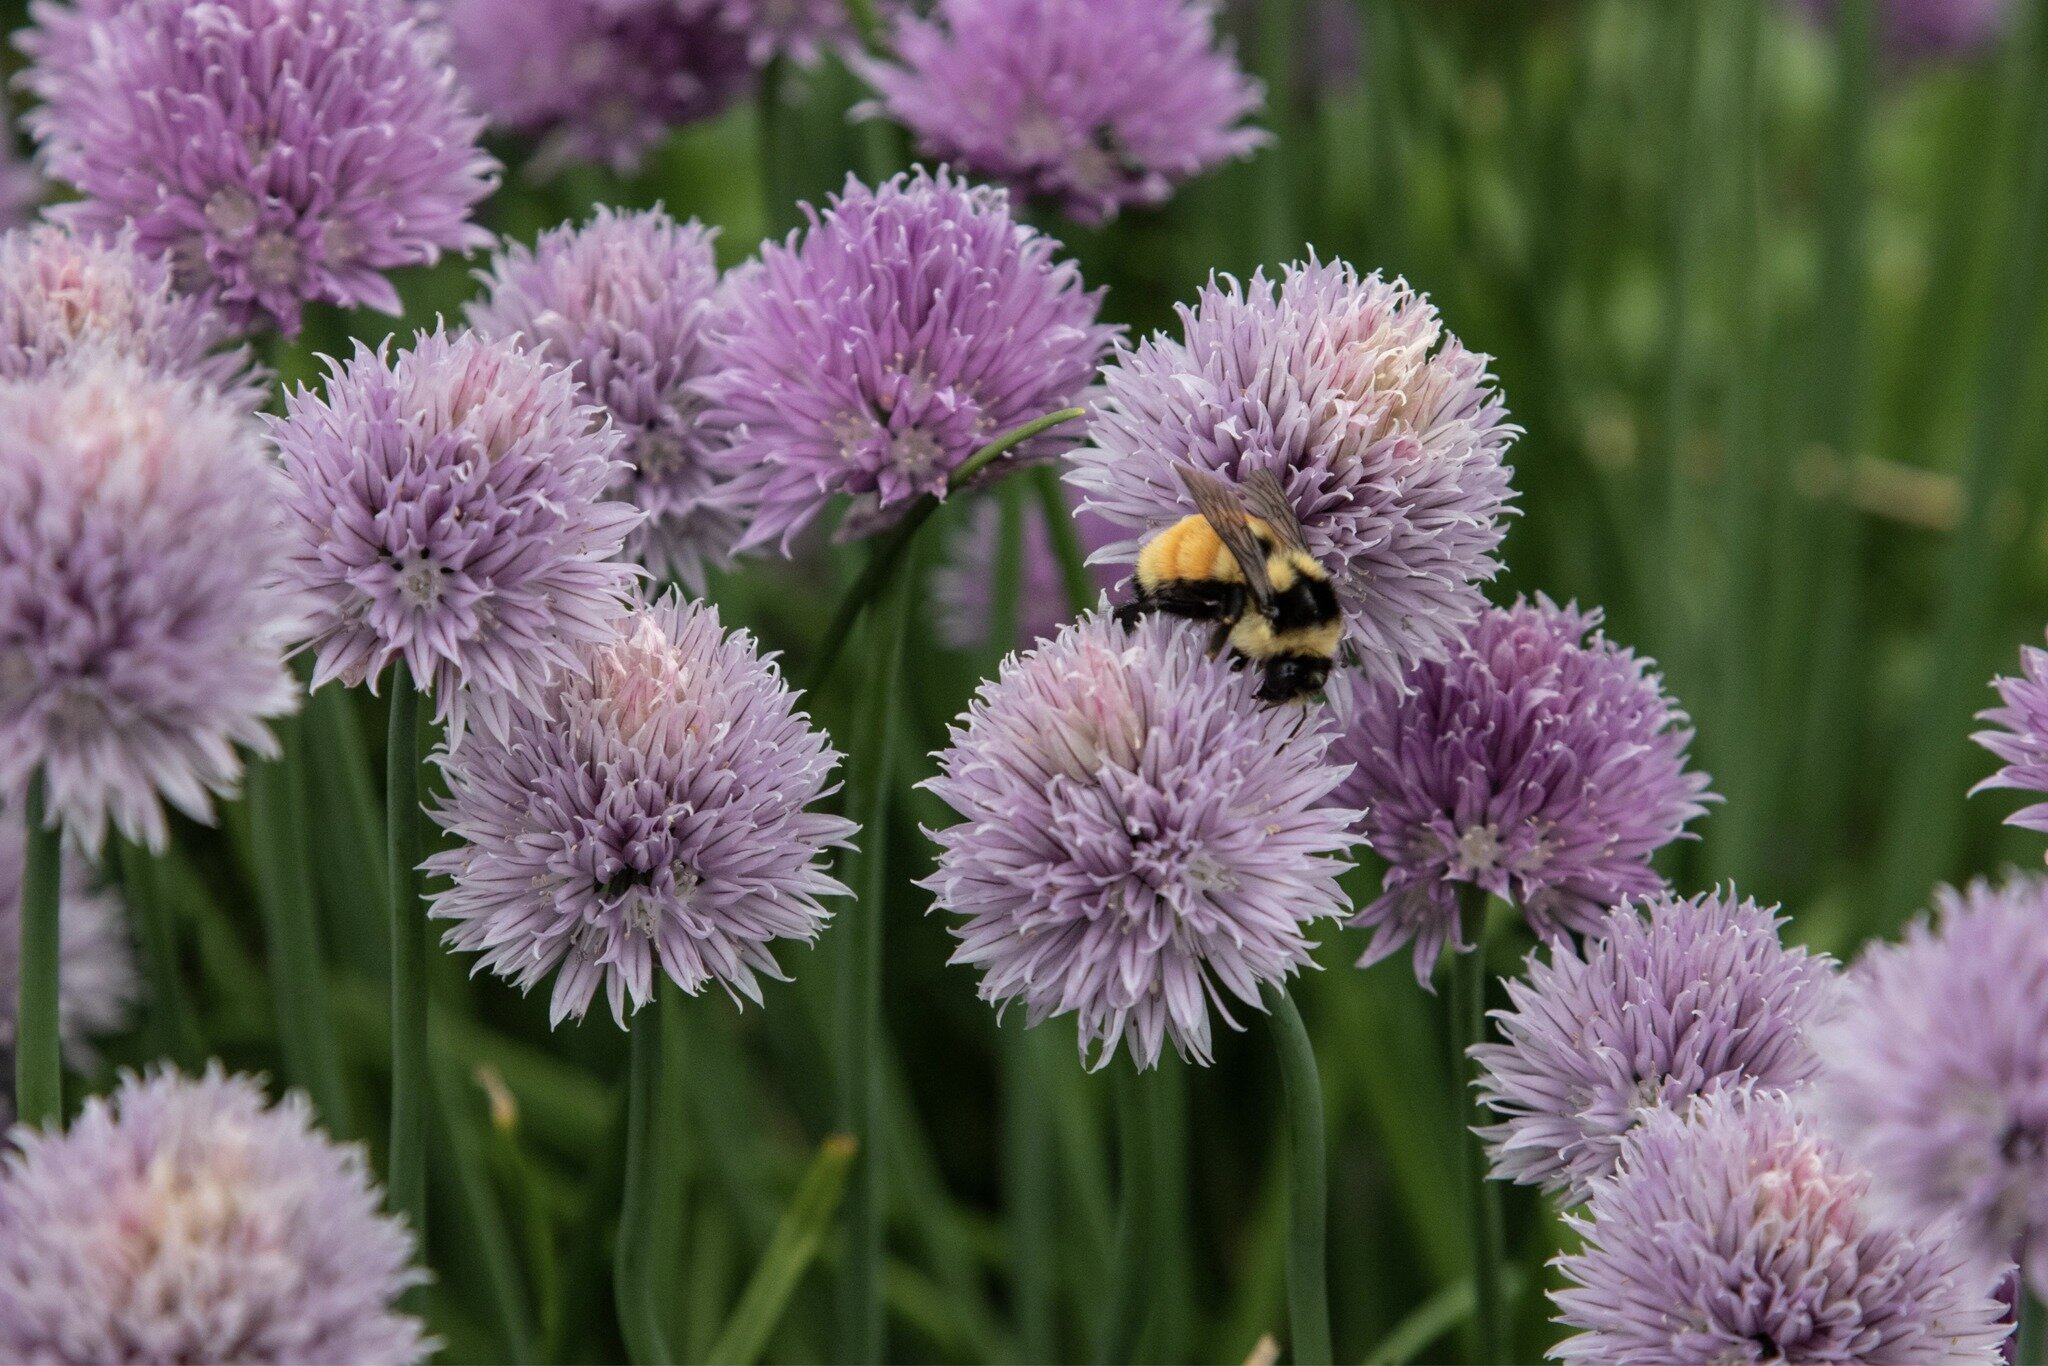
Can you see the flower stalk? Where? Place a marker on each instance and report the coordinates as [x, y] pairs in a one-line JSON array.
[[406, 1181], [1467, 1002], [38, 1066], [1308, 1277], [650, 1212]]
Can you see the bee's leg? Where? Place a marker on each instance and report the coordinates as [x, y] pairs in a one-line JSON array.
[[1127, 614], [1219, 637]]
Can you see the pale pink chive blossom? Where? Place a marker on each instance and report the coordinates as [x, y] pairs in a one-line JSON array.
[[447, 512], [1090, 105], [142, 630], [963, 586], [874, 351], [1540, 762], [622, 300], [1140, 840], [273, 152], [1733, 1231], [1936, 1073], [1671, 998], [61, 294], [2020, 737], [1388, 436], [191, 1220], [96, 982], [650, 814]]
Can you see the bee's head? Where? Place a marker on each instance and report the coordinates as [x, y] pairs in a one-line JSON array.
[[1292, 676]]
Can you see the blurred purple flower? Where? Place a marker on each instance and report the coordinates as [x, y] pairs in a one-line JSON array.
[[963, 587], [61, 294], [183, 1220], [1698, 997], [272, 151], [1936, 1071], [797, 29], [1386, 432], [1537, 764], [1734, 1232], [142, 636], [652, 810], [2021, 739], [96, 982], [874, 352], [601, 80], [1929, 28], [1090, 104], [622, 300], [446, 510], [1140, 839]]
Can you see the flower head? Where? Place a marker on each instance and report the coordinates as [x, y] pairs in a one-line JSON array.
[[1535, 763], [622, 300], [873, 353], [272, 151], [650, 811], [1734, 1232], [188, 1220], [1140, 839], [142, 635], [446, 509], [95, 971], [1936, 1071], [1675, 999], [1386, 433], [61, 294], [1092, 104], [601, 80], [963, 588], [2021, 739]]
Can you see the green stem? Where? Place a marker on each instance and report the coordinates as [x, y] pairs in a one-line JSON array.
[[790, 1252], [1468, 1027], [1278, 44], [38, 1066], [862, 1100], [776, 149], [2031, 1330], [406, 1181], [464, 1164], [1066, 543], [1308, 1275], [1121, 1320], [889, 549], [645, 1215], [170, 1018], [298, 978]]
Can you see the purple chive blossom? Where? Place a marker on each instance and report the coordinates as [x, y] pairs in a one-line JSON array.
[[1735, 1232], [1140, 840], [142, 637], [61, 294], [622, 300], [1677, 998], [1387, 434], [274, 152], [1930, 28], [1936, 1071], [446, 511], [963, 587], [1089, 104], [96, 973], [1536, 763], [601, 80], [183, 1220], [874, 352], [2021, 739], [651, 813], [798, 29]]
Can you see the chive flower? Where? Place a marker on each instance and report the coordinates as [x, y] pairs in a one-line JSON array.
[[876, 350], [1140, 840], [1386, 434], [446, 511], [650, 813], [273, 152], [1090, 105], [1671, 999], [1540, 762], [188, 1219], [2020, 737], [142, 628]]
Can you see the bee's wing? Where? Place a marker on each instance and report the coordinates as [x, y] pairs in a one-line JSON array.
[[1219, 505], [1267, 501]]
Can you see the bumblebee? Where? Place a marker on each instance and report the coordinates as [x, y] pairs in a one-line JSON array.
[[1240, 561]]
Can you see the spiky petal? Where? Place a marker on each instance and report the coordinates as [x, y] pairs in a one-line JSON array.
[[2021, 737], [1140, 839]]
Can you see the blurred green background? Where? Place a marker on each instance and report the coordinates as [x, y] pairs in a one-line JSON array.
[[1767, 300]]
